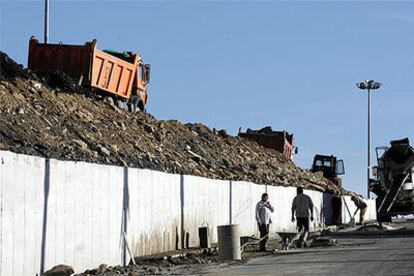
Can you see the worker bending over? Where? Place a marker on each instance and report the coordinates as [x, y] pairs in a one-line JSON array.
[[263, 210], [302, 205], [361, 206]]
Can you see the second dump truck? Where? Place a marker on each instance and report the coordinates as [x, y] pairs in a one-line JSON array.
[[123, 76]]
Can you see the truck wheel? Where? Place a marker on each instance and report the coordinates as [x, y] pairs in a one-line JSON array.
[[384, 218], [136, 105], [132, 106], [122, 105], [141, 106]]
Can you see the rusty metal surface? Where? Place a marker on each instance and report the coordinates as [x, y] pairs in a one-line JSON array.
[[74, 60], [277, 140]]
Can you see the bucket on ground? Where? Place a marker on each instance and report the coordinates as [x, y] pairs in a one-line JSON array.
[[204, 236], [229, 242]]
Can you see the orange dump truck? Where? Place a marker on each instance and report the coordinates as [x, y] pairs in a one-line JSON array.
[[124, 76]]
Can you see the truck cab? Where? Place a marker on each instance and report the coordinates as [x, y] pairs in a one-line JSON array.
[[330, 166]]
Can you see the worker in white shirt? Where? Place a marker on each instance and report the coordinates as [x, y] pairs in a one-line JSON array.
[[302, 205], [263, 210]]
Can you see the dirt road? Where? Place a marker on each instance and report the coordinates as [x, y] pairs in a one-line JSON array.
[[362, 253]]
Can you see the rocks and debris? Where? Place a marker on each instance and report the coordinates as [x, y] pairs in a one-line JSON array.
[[50, 115], [323, 242], [154, 265], [329, 230], [374, 227], [59, 270], [176, 263]]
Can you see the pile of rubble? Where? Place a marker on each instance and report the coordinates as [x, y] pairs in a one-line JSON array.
[[49, 115], [166, 265]]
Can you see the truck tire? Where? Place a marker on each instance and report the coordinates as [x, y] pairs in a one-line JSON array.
[[136, 105], [122, 105], [141, 106]]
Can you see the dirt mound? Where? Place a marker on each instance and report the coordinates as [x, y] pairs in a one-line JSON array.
[[9, 69], [50, 115]]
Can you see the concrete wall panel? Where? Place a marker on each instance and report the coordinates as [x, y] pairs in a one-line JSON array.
[[20, 213], [56, 212], [281, 198], [371, 213], [318, 209], [205, 201], [245, 196], [348, 209], [154, 211]]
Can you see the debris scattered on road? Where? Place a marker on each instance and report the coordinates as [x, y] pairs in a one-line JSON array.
[[378, 227], [59, 270], [323, 242], [155, 265]]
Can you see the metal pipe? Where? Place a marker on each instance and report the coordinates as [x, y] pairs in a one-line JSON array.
[[369, 142], [46, 38], [228, 240], [369, 85]]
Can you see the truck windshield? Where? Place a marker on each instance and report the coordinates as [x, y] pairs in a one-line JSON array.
[[141, 72], [323, 163]]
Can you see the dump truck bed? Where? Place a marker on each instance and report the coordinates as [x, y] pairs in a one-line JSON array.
[[91, 66]]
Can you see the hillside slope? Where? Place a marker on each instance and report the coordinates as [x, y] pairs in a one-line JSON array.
[[49, 115]]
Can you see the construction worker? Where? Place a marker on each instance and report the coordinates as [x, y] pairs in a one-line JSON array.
[[302, 205], [263, 210], [361, 206]]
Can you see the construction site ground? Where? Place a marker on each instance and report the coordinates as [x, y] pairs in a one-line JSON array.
[[366, 250]]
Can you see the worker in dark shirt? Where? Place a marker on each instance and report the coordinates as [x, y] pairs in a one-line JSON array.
[[302, 206]]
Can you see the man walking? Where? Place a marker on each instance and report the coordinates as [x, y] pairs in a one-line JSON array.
[[263, 210], [302, 205], [361, 206]]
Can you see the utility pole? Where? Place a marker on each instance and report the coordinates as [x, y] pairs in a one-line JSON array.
[[46, 38], [369, 85]]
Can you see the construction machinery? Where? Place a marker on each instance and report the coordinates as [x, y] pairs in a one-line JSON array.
[[330, 166], [282, 141], [393, 180], [122, 76]]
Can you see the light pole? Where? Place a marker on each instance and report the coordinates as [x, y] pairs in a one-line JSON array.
[[46, 38], [369, 85]]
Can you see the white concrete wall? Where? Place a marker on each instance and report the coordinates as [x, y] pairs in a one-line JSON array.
[[59, 212], [348, 210], [318, 210], [21, 213], [205, 201], [244, 199], [371, 213], [154, 213], [55, 212], [281, 198]]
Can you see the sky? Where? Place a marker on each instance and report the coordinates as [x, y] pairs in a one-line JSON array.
[[291, 65]]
